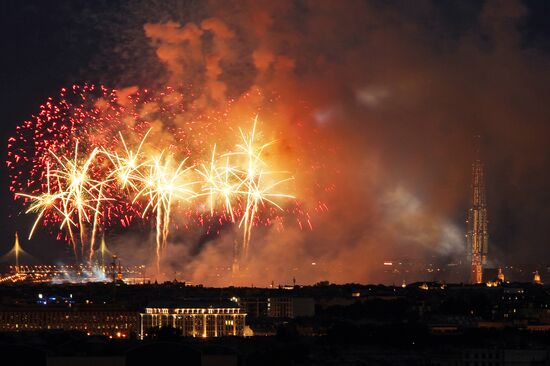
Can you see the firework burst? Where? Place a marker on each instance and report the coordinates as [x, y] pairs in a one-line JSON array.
[[258, 184], [81, 195], [221, 184], [74, 168], [163, 185]]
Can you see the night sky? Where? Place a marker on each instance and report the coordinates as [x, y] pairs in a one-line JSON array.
[[397, 89]]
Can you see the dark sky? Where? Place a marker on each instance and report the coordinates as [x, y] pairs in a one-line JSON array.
[[41, 53], [406, 82]]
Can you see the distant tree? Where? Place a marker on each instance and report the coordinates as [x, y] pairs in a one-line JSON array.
[[454, 306], [343, 332], [287, 333]]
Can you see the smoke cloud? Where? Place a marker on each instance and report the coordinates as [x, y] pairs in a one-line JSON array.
[[375, 105]]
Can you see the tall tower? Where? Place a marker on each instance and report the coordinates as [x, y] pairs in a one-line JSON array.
[[103, 249], [477, 235], [17, 252], [17, 249]]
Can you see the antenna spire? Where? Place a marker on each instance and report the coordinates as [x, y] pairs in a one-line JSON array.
[[16, 248]]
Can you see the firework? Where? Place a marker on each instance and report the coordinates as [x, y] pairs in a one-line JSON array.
[[42, 203], [126, 167], [80, 194], [163, 185], [87, 162], [258, 184], [220, 183], [80, 120]]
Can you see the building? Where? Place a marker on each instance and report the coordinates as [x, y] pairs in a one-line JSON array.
[[477, 235], [290, 307], [493, 275], [195, 319], [114, 322], [278, 306], [505, 357], [256, 307]]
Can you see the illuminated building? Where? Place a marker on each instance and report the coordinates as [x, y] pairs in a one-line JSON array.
[[477, 235], [109, 321], [536, 278], [116, 270], [500, 275], [493, 276], [195, 319]]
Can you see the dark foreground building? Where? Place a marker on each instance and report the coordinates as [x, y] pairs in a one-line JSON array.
[[110, 321], [74, 349], [424, 323]]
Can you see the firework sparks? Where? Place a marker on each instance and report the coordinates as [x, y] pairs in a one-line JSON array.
[[81, 195], [43, 202], [74, 194], [258, 184], [163, 185], [220, 184], [75, 169], [126, 167]]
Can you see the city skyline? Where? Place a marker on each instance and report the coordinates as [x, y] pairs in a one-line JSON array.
[[289, 182]]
